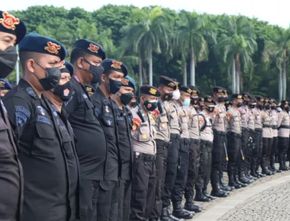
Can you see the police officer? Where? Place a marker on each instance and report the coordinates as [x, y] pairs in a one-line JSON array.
[[55, 98], [144, 148], [123, 124], [11, 177], [206, 144], [86, 57], [171, 107], [283, 134], [274, 151], [42, 153], [194, 152], [110, 83], [182, 170], [234, 139], [267, 137], [219, 143], [166, 87]]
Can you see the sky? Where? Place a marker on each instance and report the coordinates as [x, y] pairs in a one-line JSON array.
[[275, 12]]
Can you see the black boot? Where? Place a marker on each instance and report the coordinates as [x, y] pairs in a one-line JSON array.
[[165, 216], [180, 213], [199, 196], [239, 182], [232, 182], [189, 205]]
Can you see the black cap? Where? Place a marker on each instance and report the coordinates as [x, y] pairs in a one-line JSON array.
[[149, 90], [68, 68], [34, 42], [90, 47], [236, 96], [114, 65], [218, 89], [186, 89], [129, 82], [209, 99], [13, 25], [169, 82]]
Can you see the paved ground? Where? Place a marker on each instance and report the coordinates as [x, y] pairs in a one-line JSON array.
[[268, 199]]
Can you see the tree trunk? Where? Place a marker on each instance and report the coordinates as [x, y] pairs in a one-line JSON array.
[[140, 72], [284, 79], [233, 76], [280, 85], [238, 73], [150, 64], [192, 68], [184, 73]]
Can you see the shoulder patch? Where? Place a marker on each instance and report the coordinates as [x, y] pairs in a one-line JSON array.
[[22, 114]]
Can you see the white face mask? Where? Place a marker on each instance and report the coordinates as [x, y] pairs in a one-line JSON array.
[[176, 95]]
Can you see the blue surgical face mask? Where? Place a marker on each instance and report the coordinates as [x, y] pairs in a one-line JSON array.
[[186, 102]]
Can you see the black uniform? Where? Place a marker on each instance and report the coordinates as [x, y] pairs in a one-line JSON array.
[[50, 184], [105, 111], [90, 147], [11, 176], [123, 122]]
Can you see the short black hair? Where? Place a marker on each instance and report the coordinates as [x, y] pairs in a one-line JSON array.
[[25, 55], [76, 54]]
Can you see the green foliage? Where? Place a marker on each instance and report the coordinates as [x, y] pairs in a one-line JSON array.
[[134, 34]]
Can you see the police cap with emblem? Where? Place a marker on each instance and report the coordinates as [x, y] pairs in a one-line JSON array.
[[34, 42], [209, 100], [185, 89], [149, 90], [236, 96], [114, 65], [90, 47], [13, 25], [218, 89], [168, 82]]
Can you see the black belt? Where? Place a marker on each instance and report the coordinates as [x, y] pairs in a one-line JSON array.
[[216, 132], [258, 129], [230, 133], [161, 143], [145, 157], [174, 136], [284, 126], [274, 127], [267, 126]]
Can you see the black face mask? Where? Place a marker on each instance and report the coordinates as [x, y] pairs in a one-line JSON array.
[[114, 86], [96, 71], [273, 107], [239, 104], [167, 97], [133, 104], [267, 106], [150, 106], [59, 91], [8, 60], [194, 101], [221, 99], [126, 98], [52, 78], [251, 106], [210, 109]]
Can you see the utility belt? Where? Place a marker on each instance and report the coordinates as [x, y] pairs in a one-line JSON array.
[[274, 127], [267, 126], [284, 127], [145, 157], [221, 133]]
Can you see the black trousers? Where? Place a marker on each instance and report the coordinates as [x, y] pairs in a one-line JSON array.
[[244, 153], [143, 187], [234, 148], [259, 148], [218, 155], [274, 152], [182, 171], [205, 166], [283, 144], [267, 144], [161, 165], [89, 196], [193, 167], [171, 170]]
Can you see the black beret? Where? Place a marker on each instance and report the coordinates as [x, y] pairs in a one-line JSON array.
[[114, 65], [209, 99], [4, 84], [149, 90], [218, 89], [68, 68], [34, 42], [194, 90], [185, 89], [13, 25], [90, 47], [259, 98], [129, 82], [236, 96], [167, 81]]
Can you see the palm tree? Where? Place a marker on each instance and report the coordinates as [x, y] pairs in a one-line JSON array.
[[237, 43], [190, 39], [147, 36]]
